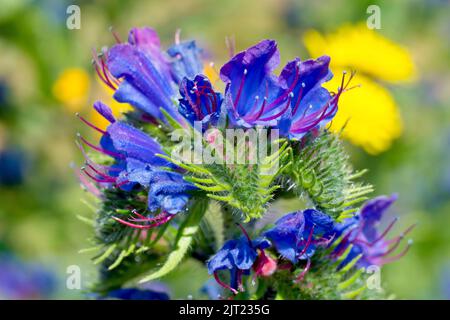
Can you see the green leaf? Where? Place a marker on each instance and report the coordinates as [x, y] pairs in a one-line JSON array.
[[322, 171], [183, 240]]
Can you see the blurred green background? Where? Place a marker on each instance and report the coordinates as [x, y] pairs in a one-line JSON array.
[[46, 76]]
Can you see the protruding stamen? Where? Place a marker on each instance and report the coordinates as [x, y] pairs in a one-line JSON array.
[[386, 231], [147, 226], [115, 35], [241, 86], [308, 242], [177, 36], [398, 256], [101, 150], [91, 162], [303, 273], [223, 284], [90, 124], [98, 172], [141, 218], [96, 179], [288, 90], [87, 184], [288, 103], [245, 234], [231, 45]]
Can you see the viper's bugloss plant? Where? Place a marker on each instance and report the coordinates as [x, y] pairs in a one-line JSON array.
[[157, 208]]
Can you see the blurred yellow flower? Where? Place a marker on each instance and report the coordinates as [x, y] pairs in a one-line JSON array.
[[369, 113], [210, 71], [364, 50], [72, 88]]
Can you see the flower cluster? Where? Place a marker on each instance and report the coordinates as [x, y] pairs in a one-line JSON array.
[[296, 236], [143, 75], [168, 89]]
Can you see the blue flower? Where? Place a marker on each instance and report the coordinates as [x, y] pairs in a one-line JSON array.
[[21, 280], [137, 163], [167, 190], [294, 102], [253, 94], [186, 60], [199, 101], [312, 106], [238, 256], [362, 234], [297, 234], [141, 74], [13, 166]]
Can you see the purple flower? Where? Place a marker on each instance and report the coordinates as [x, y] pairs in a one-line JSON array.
[[297, 234], [295, 101], [199, 101], [137, 163], [186, 60], [312, 106], [20, 280], [362, 233], [239, 257], [253, 94], [140, 73]]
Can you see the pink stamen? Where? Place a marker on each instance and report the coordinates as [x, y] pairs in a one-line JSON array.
[[303, 273], [90, 124], [101, 75], [106, 72], [245, 234], [279, 113], [371, 244], [239, 280], [241, 86], [261, 110], [101, 174], [386, 231], [398, 256], [289, 90], [177, 36], [101, 150], [118, 185], [142, 218], [297, 103], [230, 43], [308, 242], [87, 184], [115, 35], [194, 106], [149, 226], [98, 180], [223, 284]]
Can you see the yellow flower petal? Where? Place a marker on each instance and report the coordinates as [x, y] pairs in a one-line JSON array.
[[210, 71], [72, 88], [364, 50], [369, 114]]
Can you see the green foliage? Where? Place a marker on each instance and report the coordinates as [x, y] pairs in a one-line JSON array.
[[322, 172], [182, 241], [245, 187], [315, 167], [324, 280]]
